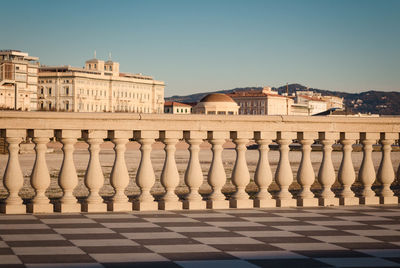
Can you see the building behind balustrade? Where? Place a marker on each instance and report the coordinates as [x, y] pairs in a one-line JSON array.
[[173, 107], [264, 102], [98, 87], [216, 103], [18, 78]]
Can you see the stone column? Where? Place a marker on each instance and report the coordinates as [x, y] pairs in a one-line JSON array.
[[170, 175], [194, 175], [40, 177], [366, 174], [13, 179], [346, 174], [145, 177], [119, 177], [263, 174], [305, 174], [240, 173], [216, 174], [326, 174], [385, 172], [67, 178], [284, 174], [94, 178]]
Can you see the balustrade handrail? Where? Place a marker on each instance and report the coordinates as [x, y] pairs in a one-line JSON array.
[[128, 121]]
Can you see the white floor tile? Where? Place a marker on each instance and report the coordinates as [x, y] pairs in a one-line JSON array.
[[31, 237], [127, 257], [268, 234], [345, 239], [83, 230], [103, 242], [307, 246]]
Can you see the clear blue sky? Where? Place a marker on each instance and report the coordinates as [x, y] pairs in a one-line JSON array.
[[197, 46]]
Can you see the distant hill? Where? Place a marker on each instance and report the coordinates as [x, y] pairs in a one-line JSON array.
[[375, 102]]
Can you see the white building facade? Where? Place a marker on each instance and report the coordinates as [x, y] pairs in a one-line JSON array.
[[98, 87], [18, 80]]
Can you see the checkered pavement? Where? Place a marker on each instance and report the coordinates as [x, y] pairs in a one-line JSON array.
[[362, 236]]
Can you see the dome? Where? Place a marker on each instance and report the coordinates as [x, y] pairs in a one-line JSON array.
[[217, 97]]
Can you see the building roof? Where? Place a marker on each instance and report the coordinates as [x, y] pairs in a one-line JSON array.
[[217, 97], [311, 98], [254, 93], [173, 103]]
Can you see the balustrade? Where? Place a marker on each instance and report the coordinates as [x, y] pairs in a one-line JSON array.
[[238, 131]]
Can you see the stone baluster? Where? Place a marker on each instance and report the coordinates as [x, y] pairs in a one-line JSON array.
[[346, 174], [13, 179], [193, 174], [170, 175], [240, 173], [326, 174], [68, 179], [386, 174], [119, 177], [145, 177], [216, 174], [94, 178], [263, 174], [305, 174], [40, 177], [284, 174], [366, 174]]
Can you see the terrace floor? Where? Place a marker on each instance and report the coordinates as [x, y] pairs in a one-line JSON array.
[[362, 236]]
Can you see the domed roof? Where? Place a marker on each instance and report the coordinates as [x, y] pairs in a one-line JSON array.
[[217, 97]]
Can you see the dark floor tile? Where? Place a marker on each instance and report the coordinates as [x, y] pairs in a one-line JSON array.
[[387, 238], [353, 227], [6, 251], [309, 263], [396, 260], [198, 256], [22, 221], [139, 230], [172, 241], [73, 258], [367, 245], [311, 218], [116, 249], [41, 243], [246, 247], [332, 254], [322, 233], [211, 234], [160, 264], [110, 220], [248, 215], [295, 239], [12, 266], [252, 228], [76, 225], [230, 219], [182, 224], [93, 236], [27, 231]]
